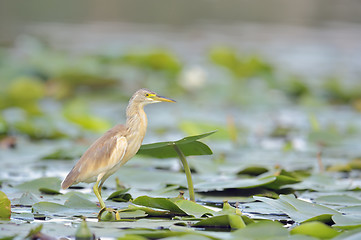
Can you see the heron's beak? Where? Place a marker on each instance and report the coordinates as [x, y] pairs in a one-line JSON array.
[[163, 99]]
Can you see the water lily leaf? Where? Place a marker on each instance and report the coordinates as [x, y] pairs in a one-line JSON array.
[[49, 191], [35, 185], [262, 230], [219, 185], [193, 209], [65, 154], [152, 212], [253, 170], [5, 207], [352, 210], [39, 127], [343, 200], [228, 221], [156, 234], [282, 178], [77, 202], [120, 196], [47, 208], [299, 210], [315, 229], [159, 203], [131, 237], [320, 183], [24, 216], [28, 199], [188, 145], [132, 213], [77, 112], [349, 235], [347, 221]]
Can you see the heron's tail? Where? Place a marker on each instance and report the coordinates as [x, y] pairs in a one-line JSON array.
[[69, 180]]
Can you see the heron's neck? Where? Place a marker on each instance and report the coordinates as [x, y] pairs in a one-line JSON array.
[[136, 122]]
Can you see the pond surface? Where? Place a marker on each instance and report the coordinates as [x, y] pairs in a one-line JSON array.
[[284, 100]]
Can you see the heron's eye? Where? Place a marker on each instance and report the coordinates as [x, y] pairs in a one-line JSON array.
[[147, 94]]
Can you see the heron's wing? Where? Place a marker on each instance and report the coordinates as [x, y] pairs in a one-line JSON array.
[[101, 156]]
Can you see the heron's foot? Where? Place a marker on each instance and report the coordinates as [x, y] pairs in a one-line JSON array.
[[108, 214]]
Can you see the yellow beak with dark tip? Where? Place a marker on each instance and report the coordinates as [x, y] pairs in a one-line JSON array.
[[162, 99]]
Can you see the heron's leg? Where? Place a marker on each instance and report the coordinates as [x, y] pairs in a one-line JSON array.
[[103, 179], [97, 194]]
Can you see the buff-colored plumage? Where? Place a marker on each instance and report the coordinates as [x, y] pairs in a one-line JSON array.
[[115, 147]]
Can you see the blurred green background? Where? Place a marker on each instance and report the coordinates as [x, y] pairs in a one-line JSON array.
[[68, 68]]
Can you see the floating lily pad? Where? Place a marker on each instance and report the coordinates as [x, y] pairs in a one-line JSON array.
[[35, 185], [120, 196], [228, 221], [193, 209], [188, 145], [343, 200], [315, 229], [220, 185], [159, 203], [299, 210], [5, 207], [262, 230]]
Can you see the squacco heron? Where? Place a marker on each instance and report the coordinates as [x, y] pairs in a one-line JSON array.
[[117, 146]]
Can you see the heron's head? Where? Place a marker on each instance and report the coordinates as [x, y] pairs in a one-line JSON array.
[[145, 96]]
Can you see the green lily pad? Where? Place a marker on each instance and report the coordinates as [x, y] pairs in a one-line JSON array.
[[262, 230], [299, 210], [152, 212], [132, 214], [159, 203], [253, 170], [188, 145], [228, 221], [349, 235], [49, 191], [120, 196], [76, 111], [347, 222], [320, 183], [193, 209], [5, 207], [49, 208], [343, 200], [65, 154], [77, 202], [220, 185], [28, 199], [315, 229], [35, 185]]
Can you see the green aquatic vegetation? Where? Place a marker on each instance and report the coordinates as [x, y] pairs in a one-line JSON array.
[[77, 111], [299, 210], [296, 87], [83, 232], [315, 229], [120, 196], [223, 132], [157, 60], [24, 93], [340, 93], [38, 128], [242, 67], [40, 183], [188, 146], [5, 207]]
